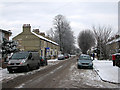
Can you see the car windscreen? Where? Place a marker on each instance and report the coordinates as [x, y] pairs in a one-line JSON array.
[[85, 58], [20, 55]]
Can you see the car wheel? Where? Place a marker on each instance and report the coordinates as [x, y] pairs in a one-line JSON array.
[[78, 67], [38, 66], [27, 68], [46, 63], [92, 67], [10, 71]]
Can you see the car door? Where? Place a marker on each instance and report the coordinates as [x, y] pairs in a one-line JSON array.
[[33, 60], [37, 59], [30, 61]]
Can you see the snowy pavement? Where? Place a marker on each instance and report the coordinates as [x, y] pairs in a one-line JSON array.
[[106, 70]]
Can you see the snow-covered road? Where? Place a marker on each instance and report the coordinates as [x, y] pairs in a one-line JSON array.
[[79, 78], [5, 75]]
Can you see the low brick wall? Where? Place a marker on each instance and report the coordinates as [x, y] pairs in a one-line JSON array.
[[2, 64]]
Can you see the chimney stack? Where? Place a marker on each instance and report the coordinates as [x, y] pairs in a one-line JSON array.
[[36, 31], [42, 34], [26, 28]]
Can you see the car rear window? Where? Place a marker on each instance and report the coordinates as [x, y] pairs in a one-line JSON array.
[[60, 55]]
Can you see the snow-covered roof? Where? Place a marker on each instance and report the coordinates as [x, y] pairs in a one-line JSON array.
[[116, 54], [44, 38], [5, 31], [113, 41]]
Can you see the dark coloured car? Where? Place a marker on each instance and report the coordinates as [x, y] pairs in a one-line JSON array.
[[85, 61], [116, 59], [43, 61], [66, 56], [23, 61]]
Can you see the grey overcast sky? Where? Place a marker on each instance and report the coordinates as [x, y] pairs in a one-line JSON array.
[[82, 14]]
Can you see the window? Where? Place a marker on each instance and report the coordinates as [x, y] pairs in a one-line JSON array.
[[51, 52]]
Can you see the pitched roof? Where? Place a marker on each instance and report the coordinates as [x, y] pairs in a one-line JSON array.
[[41, 37], [113, 41], [6, 31]]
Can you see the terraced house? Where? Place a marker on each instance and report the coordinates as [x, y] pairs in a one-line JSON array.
[[36, 41], [114, 44]]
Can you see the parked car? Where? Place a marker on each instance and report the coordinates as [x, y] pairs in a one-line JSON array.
[[61, 57], [24, 60], [66, 56], [43, 61], [85, 61], [116, 59]]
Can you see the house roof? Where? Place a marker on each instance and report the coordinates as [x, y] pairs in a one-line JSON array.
[[113, 41], [41, 37], [6, 31], [116, 54]]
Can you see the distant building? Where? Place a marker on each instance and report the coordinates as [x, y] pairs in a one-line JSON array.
[[3, 34], [114, 44], [36, 41]]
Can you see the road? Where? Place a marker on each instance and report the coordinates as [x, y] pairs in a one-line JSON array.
[[61, 75]]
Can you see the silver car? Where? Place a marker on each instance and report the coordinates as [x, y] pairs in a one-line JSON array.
[[61, 57], [85, 61]]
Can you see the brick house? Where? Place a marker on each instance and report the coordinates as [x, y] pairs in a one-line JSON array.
[[114, 44], [36, 41]]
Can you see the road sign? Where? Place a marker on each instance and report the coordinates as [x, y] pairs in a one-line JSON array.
[[47, 48]]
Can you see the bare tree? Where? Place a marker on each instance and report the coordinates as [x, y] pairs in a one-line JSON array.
[[63, 34], [58, 25], [51, 33], [102, 35], [86, 40]]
